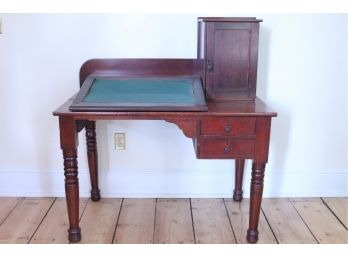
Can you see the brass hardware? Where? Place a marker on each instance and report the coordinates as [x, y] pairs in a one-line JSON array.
[[209, 65], [228, 128]]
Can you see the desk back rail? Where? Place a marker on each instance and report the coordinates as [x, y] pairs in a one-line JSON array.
[[146, 67]]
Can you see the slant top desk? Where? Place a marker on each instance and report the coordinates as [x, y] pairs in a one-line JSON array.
[[212, 99]]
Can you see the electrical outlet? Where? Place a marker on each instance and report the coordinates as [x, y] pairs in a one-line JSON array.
[[120, 141]]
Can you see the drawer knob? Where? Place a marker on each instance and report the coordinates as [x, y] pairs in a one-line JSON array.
[[228, 129], [227, 149]]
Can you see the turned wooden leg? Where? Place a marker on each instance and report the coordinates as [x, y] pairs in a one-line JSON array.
[[68, 142], [72, 193], [238, 184], [257, 175], [92, 159]]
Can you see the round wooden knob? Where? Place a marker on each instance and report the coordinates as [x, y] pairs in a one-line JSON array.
[[228, 129], [227, 149]]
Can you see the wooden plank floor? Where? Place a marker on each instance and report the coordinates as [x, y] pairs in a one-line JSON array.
[[283, 220]]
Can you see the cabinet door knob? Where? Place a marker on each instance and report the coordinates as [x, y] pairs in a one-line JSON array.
[[210, 65], [227, 149], [228, 129]]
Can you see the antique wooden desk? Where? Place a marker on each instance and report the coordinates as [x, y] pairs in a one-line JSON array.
[[233, 124]]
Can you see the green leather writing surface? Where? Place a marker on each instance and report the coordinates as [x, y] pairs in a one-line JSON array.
[[148, 90]]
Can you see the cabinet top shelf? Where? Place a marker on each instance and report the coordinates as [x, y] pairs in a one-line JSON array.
[[229, 19]]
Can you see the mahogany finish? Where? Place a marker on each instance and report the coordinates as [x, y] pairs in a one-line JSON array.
[[150, 67], [92, 154], [229, 48], [230, 129], [257, 175], [238, 183], [222, 146], [69, 142], [228, 126]]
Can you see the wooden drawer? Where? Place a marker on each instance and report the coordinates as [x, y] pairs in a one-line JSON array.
[[224, 148], [228, 126]]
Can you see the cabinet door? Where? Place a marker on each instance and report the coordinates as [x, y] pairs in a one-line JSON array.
[[231, 60]]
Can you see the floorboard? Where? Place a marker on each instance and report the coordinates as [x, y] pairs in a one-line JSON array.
[[24, 220], [99, 219], [325, 227], [211, 222], [54, 228], [286, 223], [173, 222], [339, 206], [239, 216], [136, 222], [282, 220], [7, 205]]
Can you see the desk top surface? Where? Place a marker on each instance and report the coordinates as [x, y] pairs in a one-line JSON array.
[[235, 108]]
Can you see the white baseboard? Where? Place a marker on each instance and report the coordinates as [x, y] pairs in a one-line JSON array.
[[180, 184]]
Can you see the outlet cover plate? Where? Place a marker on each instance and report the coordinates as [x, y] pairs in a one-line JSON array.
[[120, 141]]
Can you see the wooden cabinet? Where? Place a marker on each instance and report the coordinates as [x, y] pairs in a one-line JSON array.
[[229, 48]]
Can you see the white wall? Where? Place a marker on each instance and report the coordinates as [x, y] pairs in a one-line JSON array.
[[302, 75]]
